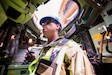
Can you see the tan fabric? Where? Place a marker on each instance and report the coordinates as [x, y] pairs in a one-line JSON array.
[[49, 71], [78, 60], [81, 65], [73, 55], [62, 71], [60, 59]]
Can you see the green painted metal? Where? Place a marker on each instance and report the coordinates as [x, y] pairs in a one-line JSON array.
[[3, 16], [17, 69]]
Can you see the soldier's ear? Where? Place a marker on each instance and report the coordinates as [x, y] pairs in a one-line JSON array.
[[58, 26]]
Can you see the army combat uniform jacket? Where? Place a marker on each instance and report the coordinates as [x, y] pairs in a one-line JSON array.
[[64, 57]]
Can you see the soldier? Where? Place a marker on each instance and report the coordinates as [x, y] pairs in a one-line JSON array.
[[60, 56]]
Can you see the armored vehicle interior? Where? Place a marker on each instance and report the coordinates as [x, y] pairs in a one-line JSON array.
[[88, 22]]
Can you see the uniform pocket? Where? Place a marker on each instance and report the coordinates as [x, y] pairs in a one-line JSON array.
[[44, 69]]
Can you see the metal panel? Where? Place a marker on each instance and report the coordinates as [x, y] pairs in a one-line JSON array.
[[3, 16]]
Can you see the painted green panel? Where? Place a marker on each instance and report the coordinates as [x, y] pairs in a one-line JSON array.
[[3, 16]]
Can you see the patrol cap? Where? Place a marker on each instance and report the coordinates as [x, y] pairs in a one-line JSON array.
[[49, 19]]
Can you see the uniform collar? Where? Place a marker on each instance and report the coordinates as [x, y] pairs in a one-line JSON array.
[[55, 42]]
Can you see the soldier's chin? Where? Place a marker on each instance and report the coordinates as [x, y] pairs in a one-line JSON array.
[[45, 32]]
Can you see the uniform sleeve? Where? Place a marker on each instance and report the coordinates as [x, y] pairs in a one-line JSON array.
[[71, 51], [77, 60]]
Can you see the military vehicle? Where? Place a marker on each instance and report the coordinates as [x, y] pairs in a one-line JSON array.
[[88, 22]]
